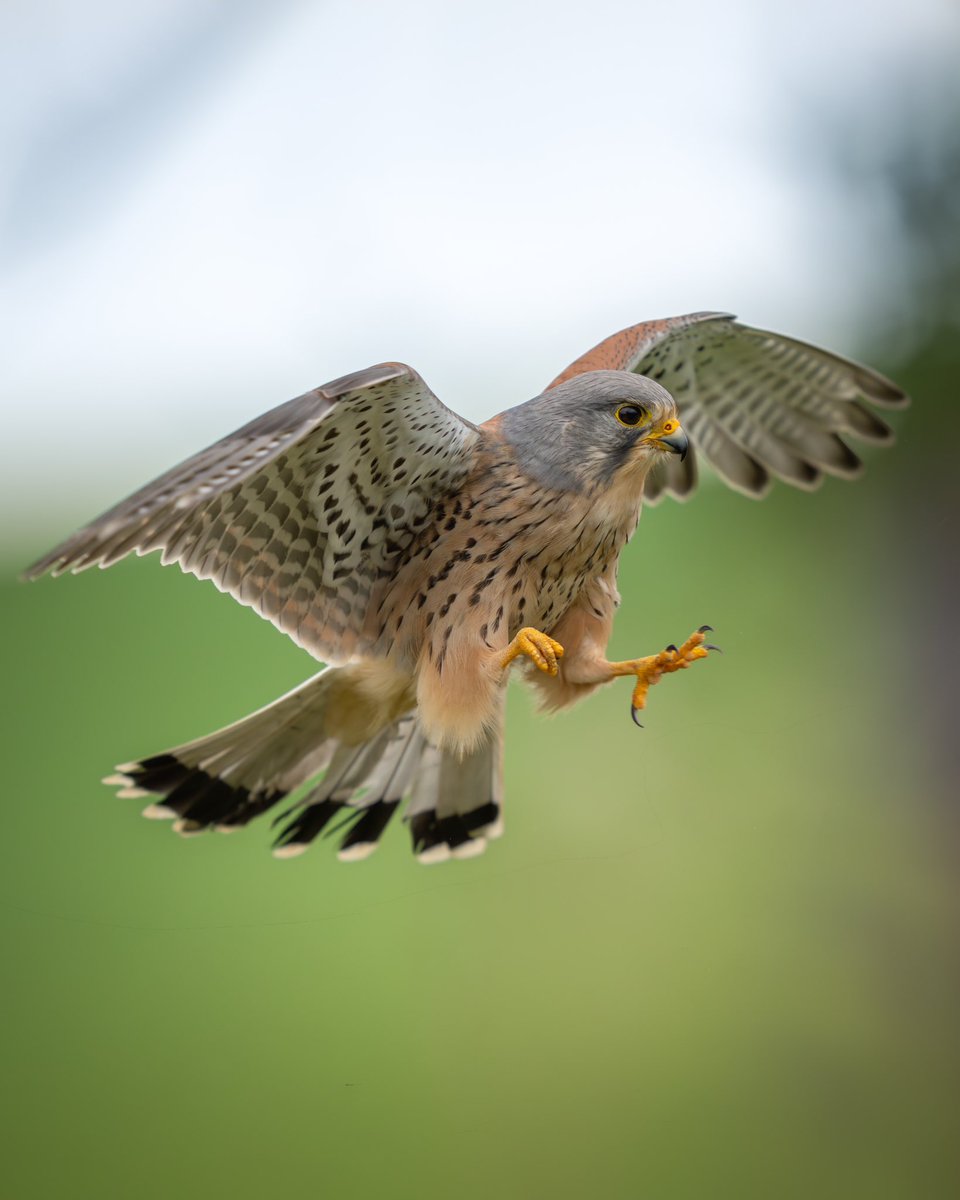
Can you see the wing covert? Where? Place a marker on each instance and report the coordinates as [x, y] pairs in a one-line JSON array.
[[299, 513], [754, 404]]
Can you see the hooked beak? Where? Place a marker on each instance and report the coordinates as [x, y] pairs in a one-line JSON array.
[[673, 439]]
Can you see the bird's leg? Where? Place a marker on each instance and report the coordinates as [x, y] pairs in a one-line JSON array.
[[650, 670], [543, 650]]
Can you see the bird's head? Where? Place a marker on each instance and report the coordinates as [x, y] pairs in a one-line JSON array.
[[599, 431]]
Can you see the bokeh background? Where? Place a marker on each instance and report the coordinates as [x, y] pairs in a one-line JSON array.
[[717, 957]]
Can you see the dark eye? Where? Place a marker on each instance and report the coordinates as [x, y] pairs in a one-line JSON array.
[[631, 415]]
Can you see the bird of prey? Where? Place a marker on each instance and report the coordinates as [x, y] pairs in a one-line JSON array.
[[419, 556]]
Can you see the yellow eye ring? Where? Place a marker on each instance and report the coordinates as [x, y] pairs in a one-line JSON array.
[[631, 415]]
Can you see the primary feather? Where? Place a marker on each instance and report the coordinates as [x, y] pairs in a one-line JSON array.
[[297, 513], [755, 404]]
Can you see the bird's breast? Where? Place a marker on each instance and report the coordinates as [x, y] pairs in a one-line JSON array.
[[497, 557]]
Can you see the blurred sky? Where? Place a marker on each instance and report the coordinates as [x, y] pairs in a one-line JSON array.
[[209, 207]]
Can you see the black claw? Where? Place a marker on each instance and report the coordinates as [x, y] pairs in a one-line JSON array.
[[707, 646], [633, 714], [672, 647], [705, 629]]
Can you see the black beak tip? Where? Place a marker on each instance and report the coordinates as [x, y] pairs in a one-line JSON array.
[[677, 442]]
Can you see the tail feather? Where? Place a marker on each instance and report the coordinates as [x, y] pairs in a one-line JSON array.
[[349, 769], [231, 776], [456, 804], [364, 834], [296, 837], [191, 796], [228, 778]]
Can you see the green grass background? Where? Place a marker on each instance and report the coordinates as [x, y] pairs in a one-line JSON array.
[[715, 957]]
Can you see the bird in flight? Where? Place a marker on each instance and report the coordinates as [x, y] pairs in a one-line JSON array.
[[423, 558]]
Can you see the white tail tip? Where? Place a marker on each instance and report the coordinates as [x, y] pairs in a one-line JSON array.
[[491, 831], [294, 850], [435, 854], [187, 828], [357, 852], [158, 812]]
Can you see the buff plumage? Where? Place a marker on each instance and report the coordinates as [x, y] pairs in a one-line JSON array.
[[421, 556]]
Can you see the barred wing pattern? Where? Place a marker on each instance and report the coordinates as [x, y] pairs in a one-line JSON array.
[[299, 513], [754, 404]]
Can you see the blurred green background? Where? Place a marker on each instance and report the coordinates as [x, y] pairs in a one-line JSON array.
[[715, 957]]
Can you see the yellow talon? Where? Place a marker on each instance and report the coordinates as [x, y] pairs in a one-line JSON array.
[[651, 670], [543, 650]]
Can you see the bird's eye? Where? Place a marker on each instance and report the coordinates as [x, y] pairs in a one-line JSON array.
[[631, 415]]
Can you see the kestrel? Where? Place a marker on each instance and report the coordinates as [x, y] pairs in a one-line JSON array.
[[419, 556]]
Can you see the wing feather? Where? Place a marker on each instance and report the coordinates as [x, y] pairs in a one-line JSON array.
[[301, 512], [755, 404]]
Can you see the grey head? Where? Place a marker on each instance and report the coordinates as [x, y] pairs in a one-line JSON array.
[[593, 431]]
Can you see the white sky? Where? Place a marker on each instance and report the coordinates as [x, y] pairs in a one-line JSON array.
[[207, 208]]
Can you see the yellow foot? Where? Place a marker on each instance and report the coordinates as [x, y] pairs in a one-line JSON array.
[[536, 645], [652, 669]]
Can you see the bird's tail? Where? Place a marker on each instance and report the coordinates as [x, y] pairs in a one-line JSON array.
[[301, 747]]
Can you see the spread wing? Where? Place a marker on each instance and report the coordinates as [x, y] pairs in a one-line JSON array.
[[754, 404], [301, 512]]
